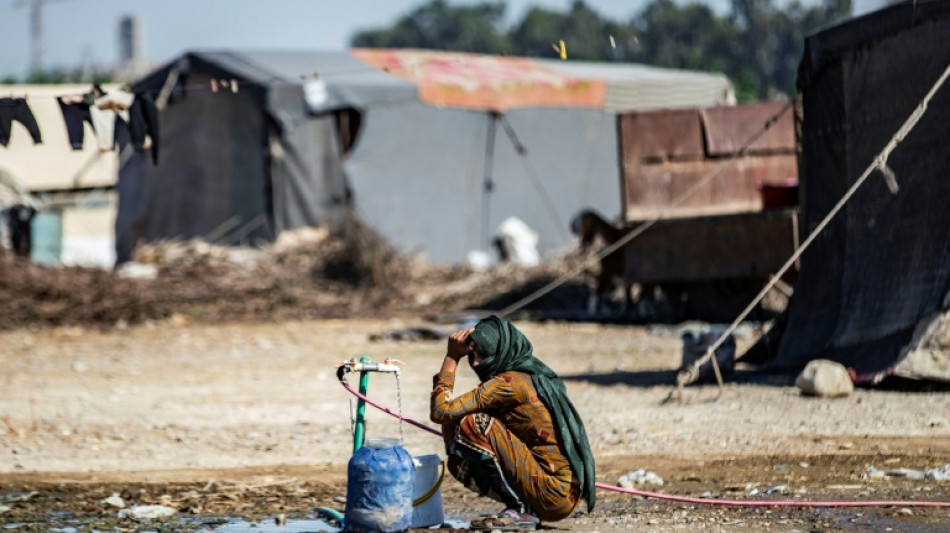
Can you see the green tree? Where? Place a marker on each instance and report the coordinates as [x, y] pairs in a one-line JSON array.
[[758, 45], [587, 34], [437, 25], [689, 36], [776, 38], [537, 32]]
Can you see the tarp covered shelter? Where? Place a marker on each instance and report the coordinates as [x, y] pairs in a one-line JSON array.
[[882, 266], [433, 149]]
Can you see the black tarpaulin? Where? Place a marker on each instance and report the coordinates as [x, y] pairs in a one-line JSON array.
[[883, 264]]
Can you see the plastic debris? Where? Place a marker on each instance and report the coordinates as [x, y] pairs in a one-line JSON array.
[[639, 477], [114, 501], [147, 512], [941, 473], [872, 472], [909, 473]]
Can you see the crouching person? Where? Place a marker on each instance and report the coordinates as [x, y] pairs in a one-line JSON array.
[[516, 438]]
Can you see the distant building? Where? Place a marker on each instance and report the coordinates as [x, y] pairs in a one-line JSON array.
[[73, 191], [132, 62]]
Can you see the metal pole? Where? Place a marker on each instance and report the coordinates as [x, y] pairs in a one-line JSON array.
[[359, 428], [36, 36], [488, 185]]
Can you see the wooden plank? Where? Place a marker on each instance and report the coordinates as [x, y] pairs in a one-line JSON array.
[[714, 247]]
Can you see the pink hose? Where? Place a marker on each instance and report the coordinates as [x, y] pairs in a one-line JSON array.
[[683, 499]]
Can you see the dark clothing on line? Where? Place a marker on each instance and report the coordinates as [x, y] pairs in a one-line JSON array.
[[74, 115], [16, 220], [17, 109], [143, 119]]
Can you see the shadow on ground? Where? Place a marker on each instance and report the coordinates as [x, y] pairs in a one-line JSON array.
[[657, 378]]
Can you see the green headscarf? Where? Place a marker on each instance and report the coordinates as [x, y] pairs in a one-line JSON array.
[[507, 349]]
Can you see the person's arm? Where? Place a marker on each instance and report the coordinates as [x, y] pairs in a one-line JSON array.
[[494, 393], [444, 382]]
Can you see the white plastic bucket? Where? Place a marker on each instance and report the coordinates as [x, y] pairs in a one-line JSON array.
[[428, 474]]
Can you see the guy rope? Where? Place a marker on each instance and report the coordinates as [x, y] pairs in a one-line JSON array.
[[879, 163]]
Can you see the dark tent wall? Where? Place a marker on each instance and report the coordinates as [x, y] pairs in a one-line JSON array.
[[883, 264], [234, 166], [307, 173], [211, 175]]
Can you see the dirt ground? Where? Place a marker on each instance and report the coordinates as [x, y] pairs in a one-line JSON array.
[[248, 420]]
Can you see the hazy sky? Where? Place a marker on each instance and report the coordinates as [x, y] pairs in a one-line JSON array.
[[78, 31]]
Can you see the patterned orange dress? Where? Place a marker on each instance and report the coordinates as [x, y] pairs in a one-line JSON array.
[[504, 425]]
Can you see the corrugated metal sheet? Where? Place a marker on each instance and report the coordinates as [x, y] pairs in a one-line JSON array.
[[665, 94], [666, 153], [651, 189], [661, 136], [632, 87], [728, 128]]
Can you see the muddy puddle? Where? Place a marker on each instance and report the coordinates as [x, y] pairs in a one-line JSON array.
[[288, 499], [316, 522]]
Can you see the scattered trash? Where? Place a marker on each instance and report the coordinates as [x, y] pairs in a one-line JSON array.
[[777, 488], [147, 512], [114, 501], [243, 526], [22, 496], [4, 508], [909, 473], [740, 487], [695, 345], [132, 270], [941, 473], [639, 477]]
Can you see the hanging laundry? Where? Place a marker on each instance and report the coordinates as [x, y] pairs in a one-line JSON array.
[[17, 109], [105, 111], [15, 229], [75, 111], [143, 120]]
